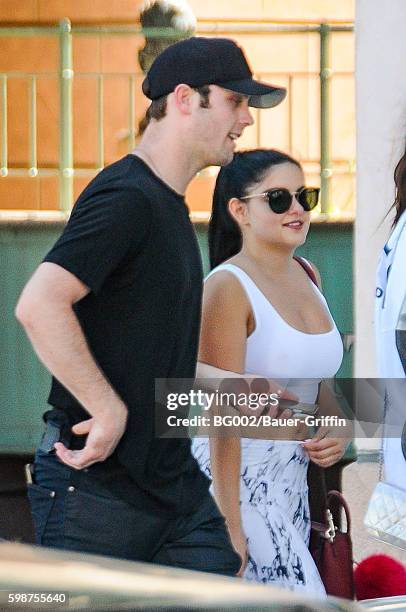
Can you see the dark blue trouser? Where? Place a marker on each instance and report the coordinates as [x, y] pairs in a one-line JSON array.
[[88, 518]]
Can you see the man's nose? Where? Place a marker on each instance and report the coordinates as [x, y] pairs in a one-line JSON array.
[[246, 116]]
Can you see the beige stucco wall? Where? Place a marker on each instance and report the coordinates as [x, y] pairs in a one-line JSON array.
[[293, 10], [85, 11], [79, 11], [273, 57]]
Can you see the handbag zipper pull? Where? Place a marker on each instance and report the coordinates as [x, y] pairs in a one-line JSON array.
[[331, 531]]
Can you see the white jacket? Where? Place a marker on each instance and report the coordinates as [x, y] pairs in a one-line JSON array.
[[390, 294]]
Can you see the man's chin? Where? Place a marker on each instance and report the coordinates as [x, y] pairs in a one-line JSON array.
[[223, 160]]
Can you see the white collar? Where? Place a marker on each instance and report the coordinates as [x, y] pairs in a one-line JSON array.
[[394, 237]]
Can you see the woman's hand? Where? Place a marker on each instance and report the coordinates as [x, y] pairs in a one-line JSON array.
[[325, 451], [239, 542]]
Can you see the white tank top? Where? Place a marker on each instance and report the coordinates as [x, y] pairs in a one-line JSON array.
[[279, 351]]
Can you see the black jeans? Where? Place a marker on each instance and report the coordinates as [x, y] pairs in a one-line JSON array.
[[89, 519]]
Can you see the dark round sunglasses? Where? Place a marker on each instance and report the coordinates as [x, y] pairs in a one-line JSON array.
[[280, 199]]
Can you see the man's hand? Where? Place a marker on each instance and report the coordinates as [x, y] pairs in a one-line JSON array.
[[103, 435], [325, 451]]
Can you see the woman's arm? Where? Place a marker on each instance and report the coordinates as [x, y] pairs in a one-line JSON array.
[[329, 443], [222, 344]]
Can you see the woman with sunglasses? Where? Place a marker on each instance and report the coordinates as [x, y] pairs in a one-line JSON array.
[[263, 314], [390, 327]]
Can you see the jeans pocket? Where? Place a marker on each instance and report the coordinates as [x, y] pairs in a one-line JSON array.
[[101, 525], [41, 501]]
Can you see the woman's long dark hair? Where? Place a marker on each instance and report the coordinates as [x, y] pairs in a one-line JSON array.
[[400, 182], [233, 181]]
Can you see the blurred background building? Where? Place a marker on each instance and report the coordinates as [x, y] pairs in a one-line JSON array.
[[71, 102], [75, 118]]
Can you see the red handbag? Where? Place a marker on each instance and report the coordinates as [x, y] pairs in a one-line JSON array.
[[331, 549]]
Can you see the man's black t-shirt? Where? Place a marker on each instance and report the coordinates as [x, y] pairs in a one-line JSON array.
[[130, 240]]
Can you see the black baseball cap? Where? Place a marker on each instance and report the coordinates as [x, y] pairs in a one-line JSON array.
[[199, 61]]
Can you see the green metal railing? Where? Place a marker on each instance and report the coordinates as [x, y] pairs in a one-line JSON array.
[[66, 117], [325, 147], [4, 125], [66, 170]]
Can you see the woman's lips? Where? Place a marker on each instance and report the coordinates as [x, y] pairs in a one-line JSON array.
[[295, 225]]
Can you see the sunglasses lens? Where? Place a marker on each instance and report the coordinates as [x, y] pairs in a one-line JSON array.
[[309, 197], [279, 200]]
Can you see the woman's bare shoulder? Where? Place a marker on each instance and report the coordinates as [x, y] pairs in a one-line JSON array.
[[224, 284]]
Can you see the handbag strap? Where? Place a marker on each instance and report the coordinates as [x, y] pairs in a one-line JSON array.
[[328, 528], [323, 486], [307, 268], [385, 412], [344, 504], [326, 496]]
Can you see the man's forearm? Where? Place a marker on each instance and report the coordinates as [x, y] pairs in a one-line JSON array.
[[210, 377]]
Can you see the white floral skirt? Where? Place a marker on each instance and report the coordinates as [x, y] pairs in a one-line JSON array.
[[275, 512]]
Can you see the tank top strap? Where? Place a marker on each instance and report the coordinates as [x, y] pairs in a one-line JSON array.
[[259, 304]]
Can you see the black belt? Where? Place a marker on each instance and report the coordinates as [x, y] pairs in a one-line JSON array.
[[54, 432]]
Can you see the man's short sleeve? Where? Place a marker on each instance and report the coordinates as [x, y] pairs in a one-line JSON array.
[[106, 227]]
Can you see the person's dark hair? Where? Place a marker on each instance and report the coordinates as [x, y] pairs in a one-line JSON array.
[[400, 182], [157, 108], [234, 181]]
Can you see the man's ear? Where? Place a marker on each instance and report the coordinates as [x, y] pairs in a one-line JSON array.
[[183, 98], [238, 211]]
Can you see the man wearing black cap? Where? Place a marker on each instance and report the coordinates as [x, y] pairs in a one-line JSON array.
[[114, 306]]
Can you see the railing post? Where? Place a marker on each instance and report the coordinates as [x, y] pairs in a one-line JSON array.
[[65, 117], [33, 169], [131, 114], [4, 136], [100, 121], [290, 115], [325, 111]]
